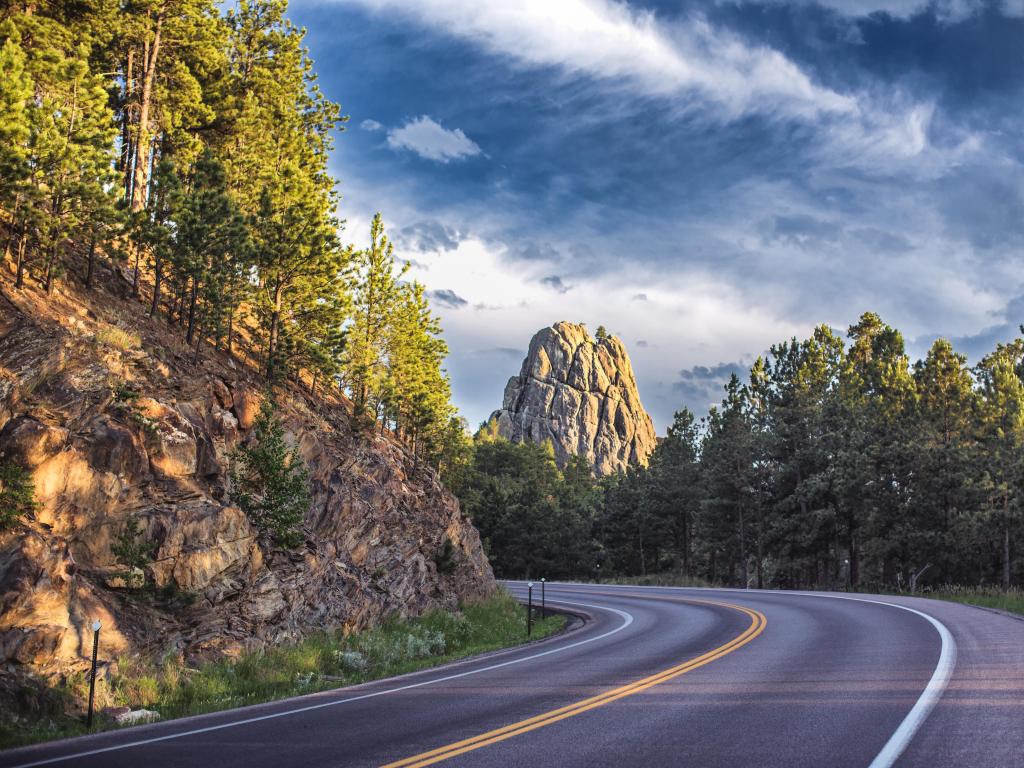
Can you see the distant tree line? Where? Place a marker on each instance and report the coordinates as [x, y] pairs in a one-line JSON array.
[[187, 142], [838, 463]]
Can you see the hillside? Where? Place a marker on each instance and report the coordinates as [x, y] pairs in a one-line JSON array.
[[116, 418]]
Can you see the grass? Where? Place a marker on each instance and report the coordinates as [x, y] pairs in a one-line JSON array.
[[114, 336], [988, 597], [1011, 600], [658, 580], [319, 662]]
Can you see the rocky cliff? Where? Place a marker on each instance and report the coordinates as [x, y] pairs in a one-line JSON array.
[[113, 419], [579, 393]]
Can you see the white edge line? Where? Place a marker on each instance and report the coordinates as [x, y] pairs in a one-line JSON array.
[[627, 620], [933, 691]]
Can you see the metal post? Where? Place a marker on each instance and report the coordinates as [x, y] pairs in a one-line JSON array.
[[543, 602], [92, 676], [529, 610]]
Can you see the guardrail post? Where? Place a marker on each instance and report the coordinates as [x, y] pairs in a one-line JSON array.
[[529, 610], [92, 675]]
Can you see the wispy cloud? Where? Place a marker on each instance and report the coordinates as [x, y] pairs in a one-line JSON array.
[[431, 140], [610, 40], [371, 125]]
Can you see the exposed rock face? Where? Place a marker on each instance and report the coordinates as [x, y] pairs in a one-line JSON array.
[[579, 393], [109, 434]]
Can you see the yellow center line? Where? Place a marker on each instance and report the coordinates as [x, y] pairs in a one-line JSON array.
[[757, 624]]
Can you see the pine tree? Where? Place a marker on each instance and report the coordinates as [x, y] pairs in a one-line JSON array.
[[269, 480]]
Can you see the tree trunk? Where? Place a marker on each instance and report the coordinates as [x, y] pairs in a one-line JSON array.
[[275, 319], [19, 280], [90, 262], [157, 280], [1006, 542], [125, 158], [192, 312], [50, 262], [141, 170], [744, 570]]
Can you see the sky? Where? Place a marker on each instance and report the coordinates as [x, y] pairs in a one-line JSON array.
[[704, 179]]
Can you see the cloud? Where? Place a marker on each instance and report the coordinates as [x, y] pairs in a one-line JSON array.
[[371, 125], [447, 298], [555, 282], [432, 141], [642, 344], [639, 297], [697, 67], [946, 11], [428, 237], [609, 40], [702, 386]]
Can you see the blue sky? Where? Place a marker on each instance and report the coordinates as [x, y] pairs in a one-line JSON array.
[[703, 178]]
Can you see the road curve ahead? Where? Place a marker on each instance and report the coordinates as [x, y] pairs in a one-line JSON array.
[[653, 677]]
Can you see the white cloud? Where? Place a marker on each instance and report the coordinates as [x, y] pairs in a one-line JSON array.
[[692, 62], [431, 140], [691, 317], [371, 125], [608, 39]]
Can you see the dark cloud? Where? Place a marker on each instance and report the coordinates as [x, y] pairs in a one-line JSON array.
[[555, 282], [639, 297], [447, 298], [802, 230], [642, 344], [428, 237], [701, 386], [534, 251], [881, 240]]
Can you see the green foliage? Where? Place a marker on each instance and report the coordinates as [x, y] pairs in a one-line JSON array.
[[270, 482], [534, 519], [445, 557], [192, 139], [602, 333], [835, 464], [320, 662], [17, 494], [131, 550]]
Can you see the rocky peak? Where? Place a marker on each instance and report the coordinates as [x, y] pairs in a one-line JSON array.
[[580, 393]]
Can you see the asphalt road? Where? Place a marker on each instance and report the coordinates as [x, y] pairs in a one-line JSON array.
[[653, 677]]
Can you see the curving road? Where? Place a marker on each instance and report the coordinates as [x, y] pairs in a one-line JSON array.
[[653, 677]]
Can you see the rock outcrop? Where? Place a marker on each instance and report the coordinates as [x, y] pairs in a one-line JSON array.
[[579, 393], [110, 431]]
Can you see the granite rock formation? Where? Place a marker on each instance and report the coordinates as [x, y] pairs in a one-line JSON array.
[[580, 393], [111, 430]]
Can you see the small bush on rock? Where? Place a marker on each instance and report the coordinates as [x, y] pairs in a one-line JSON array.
[[17, 496], [269, 481]]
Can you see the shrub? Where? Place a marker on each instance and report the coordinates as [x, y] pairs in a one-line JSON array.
[[270, 482], [130, 550], [17, 495], [445, 557], [118, 337]]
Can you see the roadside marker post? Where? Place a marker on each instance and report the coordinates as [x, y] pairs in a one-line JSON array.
[[529, 610], [543, 602], [92, 675]]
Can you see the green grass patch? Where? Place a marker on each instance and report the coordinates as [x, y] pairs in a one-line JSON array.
[[119, 338], [657, 580], [988, 597], [320, 662]]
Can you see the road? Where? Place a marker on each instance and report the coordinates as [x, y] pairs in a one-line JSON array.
[[652, 677]]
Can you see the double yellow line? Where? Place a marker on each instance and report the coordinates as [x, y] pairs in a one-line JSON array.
[[757, 625]]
